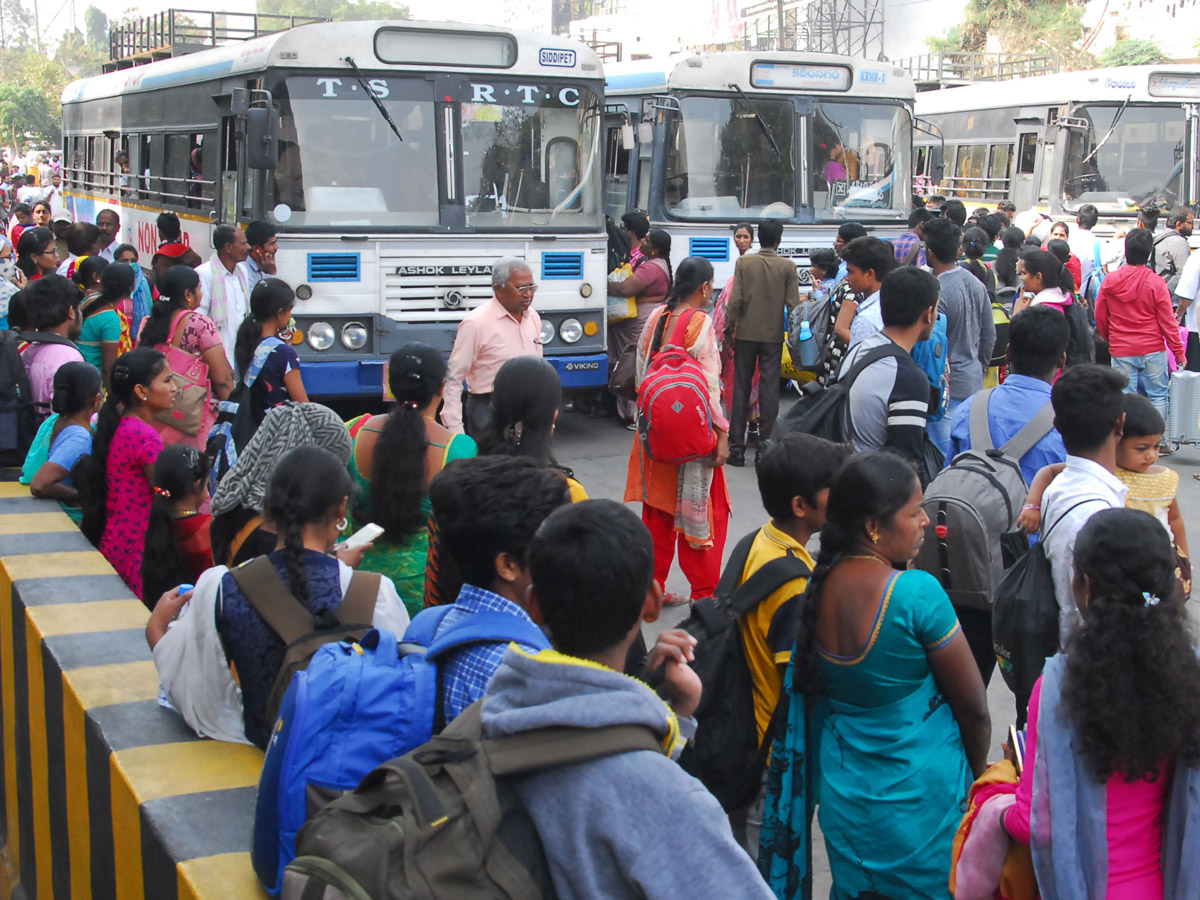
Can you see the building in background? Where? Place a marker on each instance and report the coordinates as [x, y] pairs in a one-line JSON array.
[[1172, 24]]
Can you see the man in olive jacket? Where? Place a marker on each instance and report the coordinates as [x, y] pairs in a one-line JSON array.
[[763, 283]]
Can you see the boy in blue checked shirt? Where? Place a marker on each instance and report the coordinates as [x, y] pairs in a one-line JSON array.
[[487, 510]]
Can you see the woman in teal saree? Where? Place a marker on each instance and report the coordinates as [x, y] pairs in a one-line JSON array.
[[887, 718]]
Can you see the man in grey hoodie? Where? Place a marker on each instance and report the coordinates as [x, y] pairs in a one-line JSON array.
[[633, 825]]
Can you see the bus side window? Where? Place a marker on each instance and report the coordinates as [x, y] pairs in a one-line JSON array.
[[143, 167], [616, 166], [562, 171], [1047, 171], [91, 180], [999, 172], [176, 166], [1027, 154]]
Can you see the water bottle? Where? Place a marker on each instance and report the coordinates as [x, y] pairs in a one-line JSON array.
[[807, 345]]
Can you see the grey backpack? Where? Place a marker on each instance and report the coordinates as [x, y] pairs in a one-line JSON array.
[[441, 821], [973, 505]]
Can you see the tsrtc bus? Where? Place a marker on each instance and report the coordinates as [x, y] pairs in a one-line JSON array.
[[709, 140], [1119, 138], [398, 160]]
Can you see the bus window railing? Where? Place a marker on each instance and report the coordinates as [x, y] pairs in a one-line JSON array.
[[964, 66], [988, 188], [176, 31], [107, 182]]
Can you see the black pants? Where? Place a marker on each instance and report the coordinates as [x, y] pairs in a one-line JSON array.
[[977, 629], [477, 409], [768, 357]]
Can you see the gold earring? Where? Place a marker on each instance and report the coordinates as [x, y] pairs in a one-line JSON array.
[[874, 537]]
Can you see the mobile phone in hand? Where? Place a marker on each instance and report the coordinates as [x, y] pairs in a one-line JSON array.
[[364, 535]]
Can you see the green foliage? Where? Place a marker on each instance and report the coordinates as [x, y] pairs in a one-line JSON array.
[[26, 110], [1021, 26], [1133, 52], [95, 26], [338, 10]]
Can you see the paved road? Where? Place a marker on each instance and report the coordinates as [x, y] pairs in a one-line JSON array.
[[598, 451]]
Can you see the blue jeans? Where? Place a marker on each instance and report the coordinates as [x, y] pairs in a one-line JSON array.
[[1149, 376], [939, 431]]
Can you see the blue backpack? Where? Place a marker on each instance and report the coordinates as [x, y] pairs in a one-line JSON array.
[[356, 706], [933, 356]]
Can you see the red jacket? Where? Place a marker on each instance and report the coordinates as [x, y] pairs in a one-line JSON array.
[[1134, 314]]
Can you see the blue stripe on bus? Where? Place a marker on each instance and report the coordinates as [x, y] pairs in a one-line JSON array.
[[195, 73]]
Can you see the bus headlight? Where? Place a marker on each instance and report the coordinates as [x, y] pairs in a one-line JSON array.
[[547, 334], [320, 335], [354, 336], [570, 330]]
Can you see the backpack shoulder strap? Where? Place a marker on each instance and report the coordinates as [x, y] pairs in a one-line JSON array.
[[731, 576], [766, 580], [546, 748], [488, 628], [679, 332], [272, 599], [1070, 509], [177, 329], [869, 359], [424, 625], [1033, 431], [358, 603], [913, 252], [981, 431]]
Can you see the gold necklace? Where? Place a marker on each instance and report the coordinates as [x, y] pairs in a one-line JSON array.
[[871, 556]]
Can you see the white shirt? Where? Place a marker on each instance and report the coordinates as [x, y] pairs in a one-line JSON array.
[[1189, 289], [867, 320], [29, 194], [194, 673], [1080, 491], [235, 301], [1083, 244], [107, 252]]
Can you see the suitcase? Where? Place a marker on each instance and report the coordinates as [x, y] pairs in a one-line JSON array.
[[1183, 419]]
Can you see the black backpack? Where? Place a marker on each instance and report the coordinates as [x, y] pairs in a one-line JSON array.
[[973, 506], [1081, 349], [825, 412], [1025, 618], [725, 754], [18, 424]]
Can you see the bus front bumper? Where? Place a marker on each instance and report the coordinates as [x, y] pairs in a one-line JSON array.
[[364, 378]]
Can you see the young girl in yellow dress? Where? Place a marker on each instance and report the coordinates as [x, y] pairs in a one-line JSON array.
[[1152, 488]]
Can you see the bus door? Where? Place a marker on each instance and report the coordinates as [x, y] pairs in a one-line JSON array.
[[229, 185], [1026, 169], [620, 162]]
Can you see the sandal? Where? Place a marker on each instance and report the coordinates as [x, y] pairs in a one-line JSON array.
[[676, 599]]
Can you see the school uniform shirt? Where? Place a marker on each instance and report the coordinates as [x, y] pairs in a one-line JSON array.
[[1080, 491], [867, 320], [488, 337], [889, 403], [769, 630]]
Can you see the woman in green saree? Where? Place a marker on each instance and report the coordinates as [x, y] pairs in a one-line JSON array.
[[887, 717], [395, 457]]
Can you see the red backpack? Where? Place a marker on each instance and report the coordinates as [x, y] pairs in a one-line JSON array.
[[674, 419]]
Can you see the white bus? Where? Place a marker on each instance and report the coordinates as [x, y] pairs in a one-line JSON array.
[[398, 160], [709, 140], [1117, 138]]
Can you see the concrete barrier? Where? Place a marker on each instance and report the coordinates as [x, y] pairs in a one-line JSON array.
[[106, 794]]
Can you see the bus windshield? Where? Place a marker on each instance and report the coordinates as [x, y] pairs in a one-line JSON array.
[[529, 155], [340, 163], [526, 152], [721, 164], [1138, 163], [861, 162]]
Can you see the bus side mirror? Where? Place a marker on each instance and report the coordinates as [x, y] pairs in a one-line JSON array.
[[262, 138], [937, 164]]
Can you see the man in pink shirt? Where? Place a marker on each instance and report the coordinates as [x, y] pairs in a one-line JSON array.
[[1134, 314], [488, 337], [55, 305]]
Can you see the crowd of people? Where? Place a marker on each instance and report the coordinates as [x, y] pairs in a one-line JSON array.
[[169, 414]]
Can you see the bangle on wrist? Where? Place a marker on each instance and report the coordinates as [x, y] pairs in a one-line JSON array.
[[1030, 506]]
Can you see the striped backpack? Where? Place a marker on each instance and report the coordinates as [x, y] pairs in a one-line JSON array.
[[674, 419]]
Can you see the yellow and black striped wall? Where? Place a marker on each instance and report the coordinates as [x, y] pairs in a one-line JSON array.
[[106, 794]]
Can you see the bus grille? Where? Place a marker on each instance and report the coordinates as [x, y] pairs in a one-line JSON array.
[[714, 249], [333, 266], [433, 287], [561, 266]]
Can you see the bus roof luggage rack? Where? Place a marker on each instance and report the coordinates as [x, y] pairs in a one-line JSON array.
[[952, 68], [176, 32]]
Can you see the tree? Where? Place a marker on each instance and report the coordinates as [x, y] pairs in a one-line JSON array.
[[16, 24], [1133, 52], [27, 111], [1022, 26], [95, 26], [338, 10]]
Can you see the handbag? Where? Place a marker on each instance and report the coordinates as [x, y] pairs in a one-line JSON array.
[[193, 391], [623, 380], [621, 309]]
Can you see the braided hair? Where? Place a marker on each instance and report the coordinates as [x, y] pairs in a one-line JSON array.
[[307, 487], [177, 471], [416, 373], [1132, 675], [139, 366], [871, 485], [172, 297], [525, 398]]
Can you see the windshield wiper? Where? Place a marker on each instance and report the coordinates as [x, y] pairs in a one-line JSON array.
[[761, 124], [1112, 128], [370, 93]]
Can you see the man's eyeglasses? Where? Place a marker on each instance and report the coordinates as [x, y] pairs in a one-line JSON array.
[[529, 289]]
